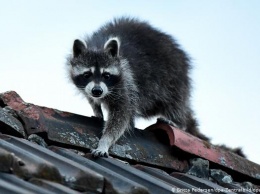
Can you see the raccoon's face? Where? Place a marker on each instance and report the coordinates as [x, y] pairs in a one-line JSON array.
[[95, 73]]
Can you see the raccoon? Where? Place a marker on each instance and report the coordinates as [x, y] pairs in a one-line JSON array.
[[134, 70]]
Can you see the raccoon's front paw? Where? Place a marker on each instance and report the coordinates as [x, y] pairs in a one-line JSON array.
[[99, 153]]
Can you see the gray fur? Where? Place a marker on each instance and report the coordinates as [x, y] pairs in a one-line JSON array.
[[153, 80]]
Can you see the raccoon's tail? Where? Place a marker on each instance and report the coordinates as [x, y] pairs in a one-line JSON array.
[[192, 128], [237, 151]]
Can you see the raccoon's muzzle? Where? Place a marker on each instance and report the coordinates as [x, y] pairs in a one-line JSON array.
[[97, 91]]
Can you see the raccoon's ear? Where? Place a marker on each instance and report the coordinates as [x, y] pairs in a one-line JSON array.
[[112, 47], [78, 48]]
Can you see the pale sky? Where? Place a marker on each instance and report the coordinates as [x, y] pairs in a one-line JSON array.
[[222, 37]]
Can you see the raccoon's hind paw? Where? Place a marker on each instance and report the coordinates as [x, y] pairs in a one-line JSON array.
[[99, 153], [166, 121]]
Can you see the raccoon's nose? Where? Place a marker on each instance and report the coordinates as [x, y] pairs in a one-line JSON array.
[[97, 91]]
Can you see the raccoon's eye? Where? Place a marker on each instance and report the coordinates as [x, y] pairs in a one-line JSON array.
[[87, 74], [106, 75]]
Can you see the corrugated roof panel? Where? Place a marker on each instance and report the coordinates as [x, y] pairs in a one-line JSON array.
[[119, 183], [163, 176], [120, 169], [10, 184], [27, 165], [131, 173], [238, 189], [41, 160], [52, 186], [200, 183], [6, 160]]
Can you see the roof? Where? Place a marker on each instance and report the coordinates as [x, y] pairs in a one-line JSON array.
[[43, 150]]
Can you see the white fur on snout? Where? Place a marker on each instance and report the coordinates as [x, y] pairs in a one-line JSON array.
[[104, 88], [91, 85]]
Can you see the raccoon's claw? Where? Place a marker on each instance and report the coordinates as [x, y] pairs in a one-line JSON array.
[[99, 153]]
